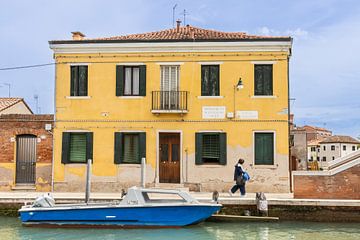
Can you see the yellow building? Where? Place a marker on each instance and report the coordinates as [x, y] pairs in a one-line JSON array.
[[191, 101]]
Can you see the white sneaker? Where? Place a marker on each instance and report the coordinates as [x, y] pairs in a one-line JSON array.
[[230, 193], [242, 196]]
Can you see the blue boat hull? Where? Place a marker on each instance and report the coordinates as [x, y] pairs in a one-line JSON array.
[[118, 216]]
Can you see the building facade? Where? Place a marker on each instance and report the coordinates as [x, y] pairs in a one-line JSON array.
[[191, 101], [25, 152], [14, 106], [335, 147]]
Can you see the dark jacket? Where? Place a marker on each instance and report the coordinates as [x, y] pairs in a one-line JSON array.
[[238, 171]]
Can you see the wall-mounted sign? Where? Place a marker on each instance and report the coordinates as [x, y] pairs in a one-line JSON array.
[[247, 114], [12, 139], [213, 112]]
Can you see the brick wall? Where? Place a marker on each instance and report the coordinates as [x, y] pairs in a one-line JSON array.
[[12, 125], [343, 185]]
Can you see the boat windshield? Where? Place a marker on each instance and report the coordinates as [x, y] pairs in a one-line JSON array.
[[152, 197]]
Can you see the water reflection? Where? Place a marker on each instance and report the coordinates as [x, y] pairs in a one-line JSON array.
[[12, 229]]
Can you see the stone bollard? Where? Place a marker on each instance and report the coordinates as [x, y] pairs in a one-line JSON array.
[[262, 204]]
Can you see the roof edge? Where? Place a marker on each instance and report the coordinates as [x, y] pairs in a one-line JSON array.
[[273, 39]]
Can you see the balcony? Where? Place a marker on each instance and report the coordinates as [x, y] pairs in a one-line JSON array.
[[169, 102]]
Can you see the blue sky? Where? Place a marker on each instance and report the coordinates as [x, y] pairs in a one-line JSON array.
[[324, 67]]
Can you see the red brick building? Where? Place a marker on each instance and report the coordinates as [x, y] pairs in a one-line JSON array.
[[25, 152]]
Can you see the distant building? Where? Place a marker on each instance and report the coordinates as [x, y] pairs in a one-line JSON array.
[[336, 146], [313, 132], [298, 149], [14, 106]]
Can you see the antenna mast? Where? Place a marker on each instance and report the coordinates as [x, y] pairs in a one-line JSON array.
[[174, 14], [185, 13]]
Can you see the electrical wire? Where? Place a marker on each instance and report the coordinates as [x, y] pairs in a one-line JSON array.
[[27, 66]]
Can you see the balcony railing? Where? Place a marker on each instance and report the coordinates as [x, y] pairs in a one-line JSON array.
[[169, 102]]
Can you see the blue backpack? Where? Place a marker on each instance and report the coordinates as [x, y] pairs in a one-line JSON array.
[[246, 176]]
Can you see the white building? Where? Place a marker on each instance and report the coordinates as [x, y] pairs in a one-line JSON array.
[[336, 146]]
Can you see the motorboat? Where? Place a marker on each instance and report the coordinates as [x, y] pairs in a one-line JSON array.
[[140, 207]]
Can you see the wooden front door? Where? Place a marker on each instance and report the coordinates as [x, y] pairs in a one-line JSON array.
[[169, 151]]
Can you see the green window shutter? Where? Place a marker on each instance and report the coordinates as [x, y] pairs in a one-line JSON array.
[[118, 145], [223, 147], [210, 85], [264, 148], [77, 149], [74, 81], [142, 146], [131, 148], [65, 153], [83, 80], [119, 80], [204, 80], [214, 80], [89, 146], [263, 84], [198, 148], [142, 83]]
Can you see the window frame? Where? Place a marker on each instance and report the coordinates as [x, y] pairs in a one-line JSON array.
[[125, 134], [263, 94], [119, 146], [66, 145], [274, 148], [344, 147], [132, 81], [219, 148], [76, 93], [332, 147], [217, 90]]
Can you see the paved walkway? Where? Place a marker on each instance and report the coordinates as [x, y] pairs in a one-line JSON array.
[[224, 198]]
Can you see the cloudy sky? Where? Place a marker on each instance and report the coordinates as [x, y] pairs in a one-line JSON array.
[[325, 80]]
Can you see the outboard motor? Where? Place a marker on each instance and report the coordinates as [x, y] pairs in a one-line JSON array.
[[45, 200]]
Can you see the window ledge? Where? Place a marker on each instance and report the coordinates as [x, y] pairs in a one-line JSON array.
[[272, 96], [78, 97], [264, 166], [130, 165], [208, 165], [210, 97], [131, 97]]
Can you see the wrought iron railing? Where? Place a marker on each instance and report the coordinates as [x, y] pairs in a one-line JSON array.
[[169, 101]]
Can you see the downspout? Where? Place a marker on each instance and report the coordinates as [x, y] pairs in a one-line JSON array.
[[290, 159], [53, 135]]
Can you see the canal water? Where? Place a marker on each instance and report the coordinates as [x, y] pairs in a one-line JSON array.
[[10, 228]]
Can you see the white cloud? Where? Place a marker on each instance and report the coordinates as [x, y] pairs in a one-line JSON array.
[[295, 33]]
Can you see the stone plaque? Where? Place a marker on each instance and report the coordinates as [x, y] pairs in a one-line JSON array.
[[213, 112], [247, 114]]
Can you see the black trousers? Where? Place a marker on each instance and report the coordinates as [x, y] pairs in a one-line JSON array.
[[236, 187]]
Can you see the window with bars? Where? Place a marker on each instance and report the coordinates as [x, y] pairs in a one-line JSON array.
[[263, 85], [129, 147], [210, 80], [210, 148], [79, 81], [77, 147], [264, 148]]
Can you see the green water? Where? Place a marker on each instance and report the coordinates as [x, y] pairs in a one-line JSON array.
[[10, 228]]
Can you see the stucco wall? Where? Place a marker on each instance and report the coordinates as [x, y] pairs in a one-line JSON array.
[[103, 114]]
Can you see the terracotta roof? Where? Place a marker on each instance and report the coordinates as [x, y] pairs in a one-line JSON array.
[[340, 139], [307, 127], [8, 102], [184, 33]]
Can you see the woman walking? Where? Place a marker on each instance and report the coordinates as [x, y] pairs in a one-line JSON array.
[[238, 178]]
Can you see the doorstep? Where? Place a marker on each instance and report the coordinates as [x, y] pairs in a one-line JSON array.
[[23, 187]]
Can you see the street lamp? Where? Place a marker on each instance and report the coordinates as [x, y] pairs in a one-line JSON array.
[[237, 87]]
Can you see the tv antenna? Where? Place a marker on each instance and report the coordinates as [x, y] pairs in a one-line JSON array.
[[36, 97], [174, 7], [184, 13]]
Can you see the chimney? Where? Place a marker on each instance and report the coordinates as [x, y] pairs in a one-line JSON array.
[[77, 36], [178, 22]]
